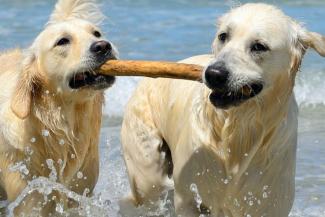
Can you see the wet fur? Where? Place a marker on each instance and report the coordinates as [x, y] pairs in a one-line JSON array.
[[31, 107], [232, 156]]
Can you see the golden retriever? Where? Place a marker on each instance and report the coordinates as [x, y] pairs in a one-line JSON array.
[[229, 149], [51, 106]]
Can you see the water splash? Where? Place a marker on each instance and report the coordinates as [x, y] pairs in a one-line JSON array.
[[94, 206], [19, 167], [53, 174], [197, 197]]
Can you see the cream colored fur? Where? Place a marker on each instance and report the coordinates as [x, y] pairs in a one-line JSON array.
[[235, 162], [42, 121]]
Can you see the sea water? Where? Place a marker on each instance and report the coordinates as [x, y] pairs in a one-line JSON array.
[[173, 30]]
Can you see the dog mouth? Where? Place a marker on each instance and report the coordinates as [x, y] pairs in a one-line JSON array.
[[224, 99], [91, 80]]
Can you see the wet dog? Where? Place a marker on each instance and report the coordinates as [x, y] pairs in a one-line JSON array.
[[51, 105], [229, 148]]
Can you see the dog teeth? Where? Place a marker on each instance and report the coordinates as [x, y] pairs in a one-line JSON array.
[[246, 90]]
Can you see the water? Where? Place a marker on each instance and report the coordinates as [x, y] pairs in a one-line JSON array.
[[173, 30]]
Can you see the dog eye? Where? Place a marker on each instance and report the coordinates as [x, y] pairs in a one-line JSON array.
[[258, 47], [97, 34], [62, 42], [223, 37]]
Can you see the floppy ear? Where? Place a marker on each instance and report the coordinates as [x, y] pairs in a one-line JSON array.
[[302, 41], [313, 40], [25, 87], [80, 9]]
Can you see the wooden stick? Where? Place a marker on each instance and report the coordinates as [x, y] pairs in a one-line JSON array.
[[152, 69]]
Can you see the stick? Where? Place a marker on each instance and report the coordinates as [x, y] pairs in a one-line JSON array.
[[152, 69]]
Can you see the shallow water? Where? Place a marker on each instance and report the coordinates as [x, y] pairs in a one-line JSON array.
[[173, 30]]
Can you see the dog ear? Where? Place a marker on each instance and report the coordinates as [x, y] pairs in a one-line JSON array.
[[79, 9], [25, 87], [313, 40], [304, 40]]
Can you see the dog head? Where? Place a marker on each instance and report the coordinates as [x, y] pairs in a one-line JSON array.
[[64, 58], [256, 47]]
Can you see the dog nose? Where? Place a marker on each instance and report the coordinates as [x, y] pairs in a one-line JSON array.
[[216, 76], [100, 48]]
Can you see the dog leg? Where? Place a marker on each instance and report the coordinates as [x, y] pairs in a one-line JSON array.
[[147, 158]]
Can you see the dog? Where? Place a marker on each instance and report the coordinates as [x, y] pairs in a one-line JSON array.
[[228, 148], [51, 106]]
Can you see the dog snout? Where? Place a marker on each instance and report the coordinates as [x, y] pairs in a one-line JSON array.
[[101, 48], [216, 76]]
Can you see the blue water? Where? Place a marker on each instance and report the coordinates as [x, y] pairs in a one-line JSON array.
[[173, 30]]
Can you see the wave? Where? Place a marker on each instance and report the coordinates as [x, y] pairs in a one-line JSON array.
[[310, 88]]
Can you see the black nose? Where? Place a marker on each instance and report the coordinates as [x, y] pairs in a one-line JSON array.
[[216, 76], [101, 48]]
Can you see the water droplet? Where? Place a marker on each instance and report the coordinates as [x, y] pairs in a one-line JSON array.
[[61, 142], [53, 174], [264, 195], [29, 150], [45, 133], [193, 188], [59, 208], [33, 140], [24, 170], [236, 202], [86, 192], [49, 162], [80, 175]]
